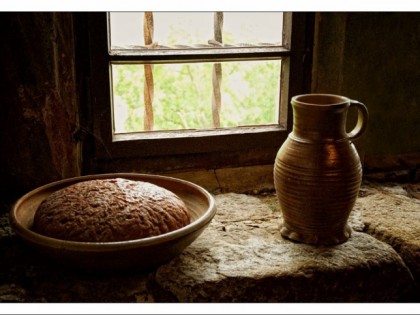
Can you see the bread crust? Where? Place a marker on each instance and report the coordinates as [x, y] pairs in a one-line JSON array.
[[110, 210]]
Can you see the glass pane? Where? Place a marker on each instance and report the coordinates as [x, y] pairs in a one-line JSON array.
[[126, 29], [252, 27], [183, 95], [196, 28]]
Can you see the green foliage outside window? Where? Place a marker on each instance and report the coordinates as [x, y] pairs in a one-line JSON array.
[[183, 95]]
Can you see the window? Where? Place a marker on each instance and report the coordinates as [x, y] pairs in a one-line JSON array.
[[174, 90], [194, 95]]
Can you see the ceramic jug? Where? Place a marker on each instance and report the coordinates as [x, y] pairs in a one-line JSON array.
[[317, 171]]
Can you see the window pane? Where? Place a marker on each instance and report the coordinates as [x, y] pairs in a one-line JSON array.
[[196, 28], [183, 95], [126, 29], [252, 27]]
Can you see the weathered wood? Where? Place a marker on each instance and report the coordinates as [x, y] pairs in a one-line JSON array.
[[39, 100]]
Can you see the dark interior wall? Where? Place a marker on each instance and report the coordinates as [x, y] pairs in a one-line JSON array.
[[38, 99], [371, 57], [374, 58]]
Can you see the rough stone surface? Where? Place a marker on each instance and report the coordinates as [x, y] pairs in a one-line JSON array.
[[26, 277], [391, 213], [242, 257], [217, 181]]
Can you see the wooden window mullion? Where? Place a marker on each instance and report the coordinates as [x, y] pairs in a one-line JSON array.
[[148, 74], [217, 72]]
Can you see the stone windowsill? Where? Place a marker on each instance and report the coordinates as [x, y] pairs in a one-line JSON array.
[[241, 257]]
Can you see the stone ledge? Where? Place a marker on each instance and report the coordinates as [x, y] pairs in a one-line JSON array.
[[242, 257], [391, 213]]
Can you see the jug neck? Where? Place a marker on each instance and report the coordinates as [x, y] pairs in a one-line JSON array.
[[319, 123]]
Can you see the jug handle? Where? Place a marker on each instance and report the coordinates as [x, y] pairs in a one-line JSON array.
[[362, 119]]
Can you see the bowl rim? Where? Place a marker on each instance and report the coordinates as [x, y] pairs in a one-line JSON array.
[[51, 242]]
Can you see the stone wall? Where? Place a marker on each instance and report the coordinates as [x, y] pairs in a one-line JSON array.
[[373, 58], [38, 100]]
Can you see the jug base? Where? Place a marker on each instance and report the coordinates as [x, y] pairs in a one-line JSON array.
[[316, 238]]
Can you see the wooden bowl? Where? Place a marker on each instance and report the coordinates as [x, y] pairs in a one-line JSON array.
[[143, 253]]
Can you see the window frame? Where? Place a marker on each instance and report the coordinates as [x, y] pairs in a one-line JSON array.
[[164, 151]]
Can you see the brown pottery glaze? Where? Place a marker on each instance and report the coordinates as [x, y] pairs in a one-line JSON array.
[[317, 172]]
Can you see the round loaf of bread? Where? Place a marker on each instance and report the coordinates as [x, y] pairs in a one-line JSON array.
[[110, 210]]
